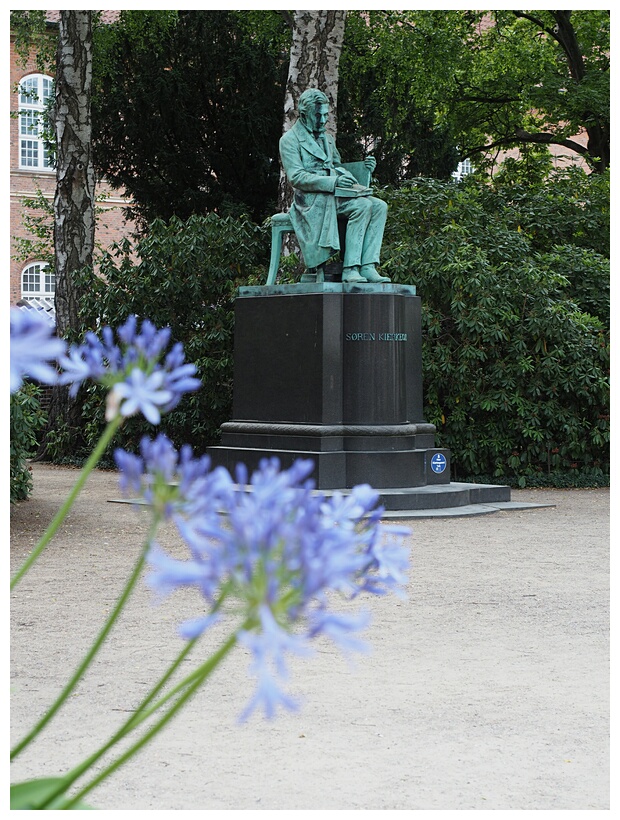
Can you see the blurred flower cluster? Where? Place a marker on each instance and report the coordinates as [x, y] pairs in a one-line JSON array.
[[33, 348], [132, 364], [276, 547], [268, 554]]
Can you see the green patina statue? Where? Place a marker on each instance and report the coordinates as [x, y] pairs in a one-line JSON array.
[[324, 190]]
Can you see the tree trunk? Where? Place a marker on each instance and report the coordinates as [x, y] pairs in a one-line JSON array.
[[315, 54], [599, 139], [599, 147], [74, 202]]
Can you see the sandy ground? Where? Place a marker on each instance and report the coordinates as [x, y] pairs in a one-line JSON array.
[[487, 688]]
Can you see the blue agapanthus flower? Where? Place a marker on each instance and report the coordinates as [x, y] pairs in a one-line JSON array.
[[33, 348], [270, 545], [141, 376]]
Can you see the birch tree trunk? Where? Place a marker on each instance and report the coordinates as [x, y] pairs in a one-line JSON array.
[[315, 53], [74, 202]]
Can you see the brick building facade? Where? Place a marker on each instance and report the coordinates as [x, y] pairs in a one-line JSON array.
[[29, 176]]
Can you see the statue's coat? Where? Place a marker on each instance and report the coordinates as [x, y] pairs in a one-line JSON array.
[[309, 165]]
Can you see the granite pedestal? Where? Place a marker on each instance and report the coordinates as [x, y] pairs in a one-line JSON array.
[[333, 372]]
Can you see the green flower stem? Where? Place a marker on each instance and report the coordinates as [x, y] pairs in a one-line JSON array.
[[196, 679], [93, 460], [141, 714], [77, 675]]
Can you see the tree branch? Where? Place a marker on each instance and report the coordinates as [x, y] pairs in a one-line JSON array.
[[550, 139], [487, 99], [536, 21], [564, 35], [525, 136]]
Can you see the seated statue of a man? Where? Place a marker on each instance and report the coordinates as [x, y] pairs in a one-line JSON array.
[[313, 167]]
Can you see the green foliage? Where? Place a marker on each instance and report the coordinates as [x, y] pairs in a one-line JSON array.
[[383, 105], [417, 83], [38, 221], [572, 209], [516, 339], [26, 420], [33, 37], [531, 75], [186, 279], [514, 281], [572, 480], [187, 111]]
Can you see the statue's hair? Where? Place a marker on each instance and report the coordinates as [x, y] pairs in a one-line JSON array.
[[310, 98]]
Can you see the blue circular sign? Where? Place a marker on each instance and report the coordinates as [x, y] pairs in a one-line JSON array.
[[438, 463]]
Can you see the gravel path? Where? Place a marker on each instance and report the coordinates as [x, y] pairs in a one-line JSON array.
[[487, 688]]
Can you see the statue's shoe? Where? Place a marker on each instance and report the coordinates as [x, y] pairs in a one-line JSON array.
[[369, 274], [350, 275]]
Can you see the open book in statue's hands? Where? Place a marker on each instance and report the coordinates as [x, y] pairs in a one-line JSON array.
[[353, 190], [353, 180]]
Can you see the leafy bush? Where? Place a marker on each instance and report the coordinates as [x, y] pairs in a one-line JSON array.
[[26, 420], [186, 278], [514, 281], [568, 208], [573, 480], [516, 340]]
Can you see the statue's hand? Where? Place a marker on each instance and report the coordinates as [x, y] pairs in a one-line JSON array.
[[370, 163], [346, 181]]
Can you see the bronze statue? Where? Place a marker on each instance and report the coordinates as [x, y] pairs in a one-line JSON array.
[[324, 190]]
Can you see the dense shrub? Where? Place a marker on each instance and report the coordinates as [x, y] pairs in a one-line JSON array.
[[568, 208], [516, 336], [514, 281], [572, 480], [26, 420], [183, 275]]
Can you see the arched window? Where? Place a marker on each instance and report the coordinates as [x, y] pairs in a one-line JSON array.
[[464, 168], [38, 282], [34, 94]]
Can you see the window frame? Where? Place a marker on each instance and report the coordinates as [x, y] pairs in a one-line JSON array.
[[32, 152], [465, 168], [46, 281]]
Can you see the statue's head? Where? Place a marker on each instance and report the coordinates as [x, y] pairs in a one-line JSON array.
[[313, 109]]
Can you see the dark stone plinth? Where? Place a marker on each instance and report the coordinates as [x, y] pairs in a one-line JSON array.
[[331, 354], [332, 372]]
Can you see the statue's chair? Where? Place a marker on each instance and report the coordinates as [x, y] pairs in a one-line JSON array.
[[281, 224]]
